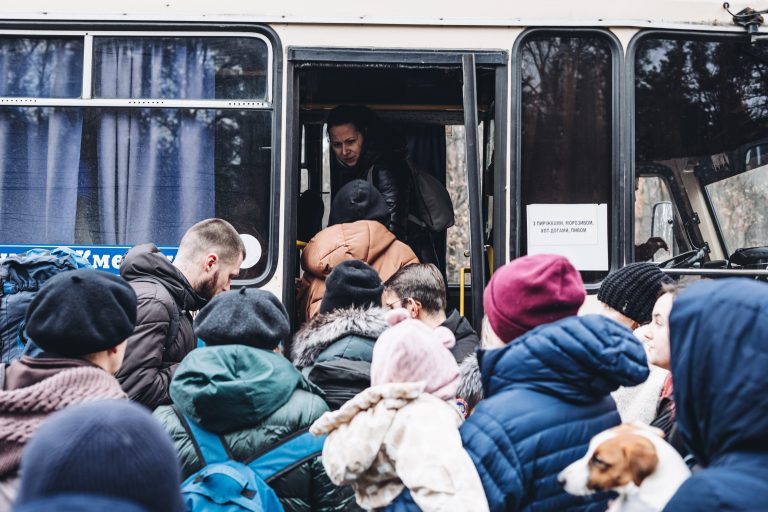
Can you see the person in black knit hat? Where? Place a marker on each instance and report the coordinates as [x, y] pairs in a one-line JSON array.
[[630, 293], [80, 319], [335, 348], [105, 455], [353, 283]]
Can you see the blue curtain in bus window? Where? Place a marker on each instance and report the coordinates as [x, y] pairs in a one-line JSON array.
[[39, 147], [155, 167]]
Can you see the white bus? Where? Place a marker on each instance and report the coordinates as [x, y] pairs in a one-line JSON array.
[[608, 131]]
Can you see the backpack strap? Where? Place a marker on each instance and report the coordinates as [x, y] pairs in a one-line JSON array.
[[2, 376], [287, 454], [209, 447]]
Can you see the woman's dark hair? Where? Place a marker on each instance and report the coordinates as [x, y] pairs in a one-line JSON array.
[[357, 115]]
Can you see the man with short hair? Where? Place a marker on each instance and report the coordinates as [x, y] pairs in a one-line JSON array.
[[209, 257], [420, 289]]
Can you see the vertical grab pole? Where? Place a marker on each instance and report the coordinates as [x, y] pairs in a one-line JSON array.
[[477, 261]]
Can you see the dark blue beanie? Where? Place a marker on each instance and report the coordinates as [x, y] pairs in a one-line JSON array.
[[112, 449]]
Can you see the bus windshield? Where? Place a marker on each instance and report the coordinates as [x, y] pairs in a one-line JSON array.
[[702, 121]]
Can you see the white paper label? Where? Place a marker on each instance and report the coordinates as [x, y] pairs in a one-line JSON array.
[[577, 231]]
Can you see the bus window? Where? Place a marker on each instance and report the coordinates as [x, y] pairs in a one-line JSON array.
[[159, 147], [566, 148], [700, 114], [180, 68]]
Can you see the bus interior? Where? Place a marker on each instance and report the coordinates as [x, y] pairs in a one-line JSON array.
[[424, 102]]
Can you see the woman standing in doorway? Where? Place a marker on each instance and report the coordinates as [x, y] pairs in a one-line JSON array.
[[364, 149]]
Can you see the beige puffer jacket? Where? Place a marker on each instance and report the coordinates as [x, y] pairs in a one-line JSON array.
[[393, 436], [366, 240]]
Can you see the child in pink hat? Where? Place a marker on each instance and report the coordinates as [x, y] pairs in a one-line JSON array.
[[401, 434]]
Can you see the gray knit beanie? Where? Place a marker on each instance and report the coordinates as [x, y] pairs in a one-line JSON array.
[[247, 316]]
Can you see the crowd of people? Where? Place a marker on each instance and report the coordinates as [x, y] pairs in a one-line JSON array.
[[161, 389], [413, 410]]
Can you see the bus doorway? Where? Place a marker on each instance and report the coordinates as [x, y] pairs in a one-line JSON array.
[[449, 107]]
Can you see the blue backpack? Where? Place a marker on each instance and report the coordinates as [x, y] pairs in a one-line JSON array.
[[226, 485], [21, 276]]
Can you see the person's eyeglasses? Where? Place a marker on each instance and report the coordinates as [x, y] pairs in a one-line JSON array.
[[391, 305]]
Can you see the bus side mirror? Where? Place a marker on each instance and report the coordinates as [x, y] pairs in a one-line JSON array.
[[662, 226]]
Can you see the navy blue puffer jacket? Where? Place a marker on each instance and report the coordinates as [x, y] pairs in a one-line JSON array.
[[719, 354], [547, 394]]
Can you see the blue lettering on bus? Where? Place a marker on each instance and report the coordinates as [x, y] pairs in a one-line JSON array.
[[101, 257]]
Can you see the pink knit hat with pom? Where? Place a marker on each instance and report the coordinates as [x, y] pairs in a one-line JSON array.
[[411, 351]]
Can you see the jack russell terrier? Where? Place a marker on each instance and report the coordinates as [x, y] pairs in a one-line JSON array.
[[632, 460]]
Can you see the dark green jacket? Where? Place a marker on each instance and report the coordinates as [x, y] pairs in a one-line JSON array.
[[334, 350], [339, 334], [254, 398]]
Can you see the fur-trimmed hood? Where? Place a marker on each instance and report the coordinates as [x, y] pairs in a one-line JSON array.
[[322, 331], [470, 381]]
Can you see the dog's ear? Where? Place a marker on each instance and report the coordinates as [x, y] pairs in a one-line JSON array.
[[642, 459]]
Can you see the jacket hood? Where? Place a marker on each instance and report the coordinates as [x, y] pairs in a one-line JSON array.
[[719, 354], [578, 359], [232, 387], [365, 240], [358, 200], [470, 381], [323, 330], [146, 260]]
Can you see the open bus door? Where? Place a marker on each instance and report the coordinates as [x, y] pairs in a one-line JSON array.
[[446, 103]]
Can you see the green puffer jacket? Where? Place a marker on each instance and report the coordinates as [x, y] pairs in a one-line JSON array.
[[334, 351], [254, 398]]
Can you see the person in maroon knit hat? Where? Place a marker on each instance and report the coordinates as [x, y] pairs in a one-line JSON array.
[[547, 386], [528, 292], [521, 295]]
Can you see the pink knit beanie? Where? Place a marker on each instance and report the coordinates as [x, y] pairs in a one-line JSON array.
[[531, 291], [411, 351]]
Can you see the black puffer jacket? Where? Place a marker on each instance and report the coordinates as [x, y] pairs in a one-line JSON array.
[[150, 357], [391, 176], [466, 337]]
